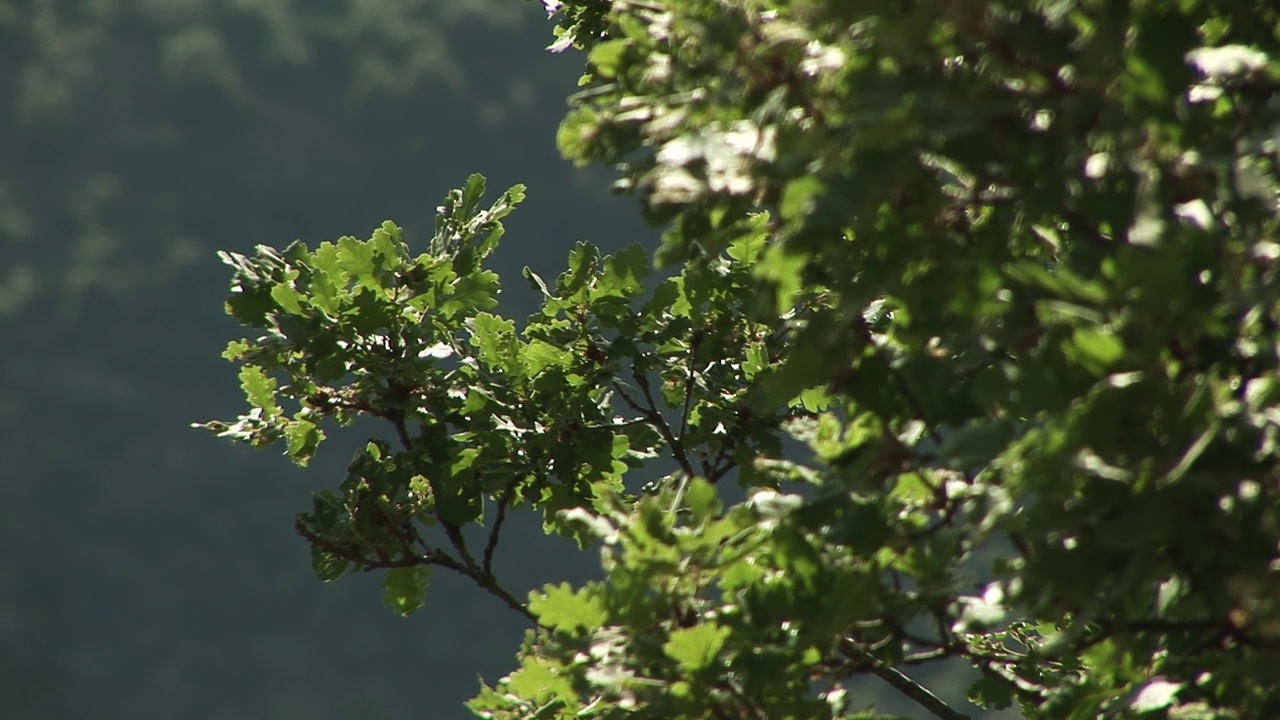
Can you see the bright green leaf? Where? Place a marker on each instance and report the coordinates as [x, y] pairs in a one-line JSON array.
[[624, 272], [567, 610], [606, 56], [697, 647], [539, 355], [259, 389], [702, 499], [359, 259], [235, 350], [1098, 348], [496, 339], [303, 437], [288, 298]]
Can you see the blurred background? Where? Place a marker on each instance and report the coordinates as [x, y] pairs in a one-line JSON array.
[[149, 570]]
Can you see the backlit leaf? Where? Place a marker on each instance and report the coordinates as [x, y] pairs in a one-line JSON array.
[[697, 647], [565, 609], [258, 387], [404, 589]]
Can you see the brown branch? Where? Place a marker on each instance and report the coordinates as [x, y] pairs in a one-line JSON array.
[[430, 557], [695, 341], [492, 545], [903, 684], [451, 529], [465, 563], [656, 419]]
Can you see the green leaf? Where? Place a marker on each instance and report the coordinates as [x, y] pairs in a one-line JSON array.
[[236, 349], [1097, 350], [756, 359], [538, 682], [573, 138], [536, 281], [747, 249], [303, 437], [562, 608], [328, 261], [800, 197], [606, 57], [1060, 282], [582, 266], [288, 298], [1169, 592], [624, 272], [815, 399], [259, 389], [784, 270], [459, 496], [421, 490], [496, 339], [472, 192], [510, 198], [404, 589], [477, 291], [250, 302], [796, 373], [668, 297], [696, 648], [327, 567], [359, 260], [539, 355], [702, 499]]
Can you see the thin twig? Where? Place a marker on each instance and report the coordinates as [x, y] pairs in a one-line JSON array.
[[688, 392], [489, 583], [492, 546], [451, 529], [655, 419], [926, 656], [431, 556], [615, 425]]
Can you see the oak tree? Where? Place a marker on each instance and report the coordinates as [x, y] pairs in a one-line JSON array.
[[976, 300]]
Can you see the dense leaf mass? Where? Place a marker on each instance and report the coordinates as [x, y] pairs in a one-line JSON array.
[[1006, 270]]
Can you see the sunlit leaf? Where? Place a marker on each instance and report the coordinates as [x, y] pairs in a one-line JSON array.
[[697, 647], [565, 609], [259, 388]]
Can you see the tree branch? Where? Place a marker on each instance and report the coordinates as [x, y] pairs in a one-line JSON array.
[[430, 556], [912, 689], [490, 547], [688, 384], [451, 529], [656, 419], [465, 563]]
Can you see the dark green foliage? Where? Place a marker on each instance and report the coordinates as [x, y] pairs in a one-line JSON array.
[[1006, 269]]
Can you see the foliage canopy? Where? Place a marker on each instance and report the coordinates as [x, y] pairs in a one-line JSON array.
[[1007, 271]]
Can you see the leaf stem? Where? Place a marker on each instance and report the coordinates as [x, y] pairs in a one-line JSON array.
[[656, 419]]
